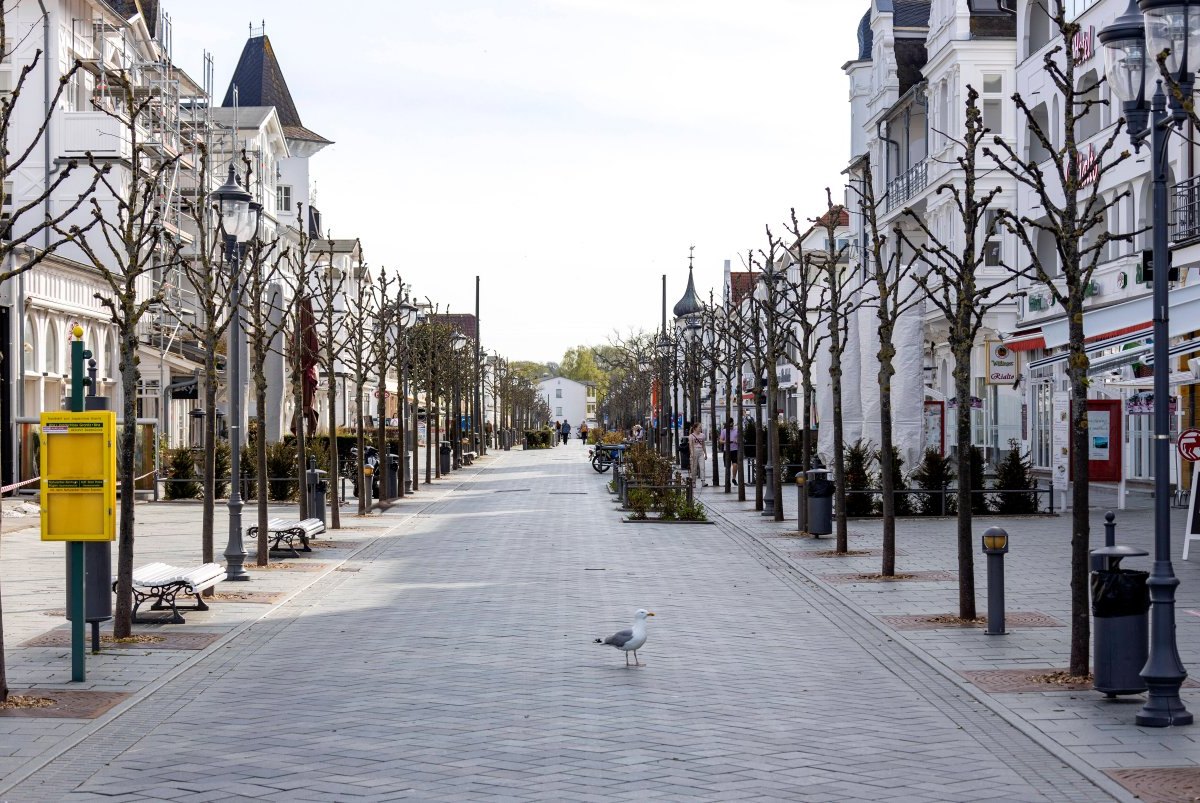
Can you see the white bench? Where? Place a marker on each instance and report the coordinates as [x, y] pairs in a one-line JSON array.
[[286, 531], [162, 582]]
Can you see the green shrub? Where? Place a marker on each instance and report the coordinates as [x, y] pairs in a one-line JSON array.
[[693, 512], [903, 501], [640, 500], [249, 472], [1015, 474], [281, 471], [858, 458], [182, 473], [933, 474]]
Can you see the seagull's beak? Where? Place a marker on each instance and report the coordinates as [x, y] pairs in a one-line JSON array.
[[650, 614]]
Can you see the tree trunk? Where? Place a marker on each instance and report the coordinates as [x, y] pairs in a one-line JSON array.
[[962, 425], [335, 514], [262, 554], [741, 423], [365, 483], [839, 436], [127, 440], [887, 451], [773, 432], [298, 401], [385, 463], [1080, 526]]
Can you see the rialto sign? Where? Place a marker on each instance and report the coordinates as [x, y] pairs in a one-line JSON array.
[[1001, 364], [1089, 166]]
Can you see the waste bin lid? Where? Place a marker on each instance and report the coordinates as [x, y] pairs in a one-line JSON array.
[[1119, 551], [817, 472]]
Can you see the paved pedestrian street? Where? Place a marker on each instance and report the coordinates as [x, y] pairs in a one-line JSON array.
[[448, 655]]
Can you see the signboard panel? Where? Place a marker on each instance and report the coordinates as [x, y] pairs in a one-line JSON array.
[[1060, 438], [1104, 440], [79, 476], [1001, 364]]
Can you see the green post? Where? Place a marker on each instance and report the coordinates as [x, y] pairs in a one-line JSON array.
[[78, 626]]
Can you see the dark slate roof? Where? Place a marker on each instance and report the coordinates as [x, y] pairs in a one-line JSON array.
[[690, 304], [866, 37], [130, 8], [259, 81], [910, 13], [463, 323]]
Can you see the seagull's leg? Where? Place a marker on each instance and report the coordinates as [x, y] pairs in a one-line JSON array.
[[626, 659], [636, 662]]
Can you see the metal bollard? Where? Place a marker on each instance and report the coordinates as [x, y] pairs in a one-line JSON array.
[[995, 545], [801, 502], [1110, 529]]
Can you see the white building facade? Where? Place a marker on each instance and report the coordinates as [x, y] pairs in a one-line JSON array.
[[568, 400]]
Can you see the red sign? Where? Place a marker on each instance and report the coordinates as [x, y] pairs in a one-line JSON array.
[[1083, 45], [1189, 445]]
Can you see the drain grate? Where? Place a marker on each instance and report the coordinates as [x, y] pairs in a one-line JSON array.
[[568, 493], [512, 490]]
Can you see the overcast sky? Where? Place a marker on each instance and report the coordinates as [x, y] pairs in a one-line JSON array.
[[567, 151]]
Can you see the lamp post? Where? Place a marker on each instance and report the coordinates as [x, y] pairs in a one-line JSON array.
[[1132, 44], [458, 343], [239, 220], [689, 314], [406, 314]]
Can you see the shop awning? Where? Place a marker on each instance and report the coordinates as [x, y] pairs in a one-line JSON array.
[[1096, 349], [1131, 317], [1025, 341]]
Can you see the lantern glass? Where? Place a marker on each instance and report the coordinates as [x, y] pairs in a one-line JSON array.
[[1125, 67], [993, 540], [1174, 27]]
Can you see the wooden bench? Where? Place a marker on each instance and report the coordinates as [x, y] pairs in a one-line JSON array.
[[286, 531], [469, 458], [162, 582]]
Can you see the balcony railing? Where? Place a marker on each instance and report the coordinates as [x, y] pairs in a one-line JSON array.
[[907, 184], [1187, 211]]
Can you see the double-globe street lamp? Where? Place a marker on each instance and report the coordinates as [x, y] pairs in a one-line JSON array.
[[1132, 47], [239, 217], [405, 316]]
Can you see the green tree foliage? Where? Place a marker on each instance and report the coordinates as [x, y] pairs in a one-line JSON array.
[[934, 474], [1014, 474], [859, 456]]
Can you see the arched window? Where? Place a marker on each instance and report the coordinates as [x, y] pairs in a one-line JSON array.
[[1035, 151], [50, 361], [29, 345], [1037, 28], [1089, 90]]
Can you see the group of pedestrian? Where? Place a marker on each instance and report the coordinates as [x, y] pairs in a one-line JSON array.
[[728, 440], [562, 431]]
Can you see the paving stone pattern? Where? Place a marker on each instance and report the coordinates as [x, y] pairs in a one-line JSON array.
[[458, 664]]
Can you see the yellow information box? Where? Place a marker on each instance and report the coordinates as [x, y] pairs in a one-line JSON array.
[[79, 476]]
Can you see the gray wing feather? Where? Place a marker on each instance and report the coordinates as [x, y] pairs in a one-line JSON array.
[[619, 639]]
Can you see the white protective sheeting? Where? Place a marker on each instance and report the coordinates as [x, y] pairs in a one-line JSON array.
[[908, 387]]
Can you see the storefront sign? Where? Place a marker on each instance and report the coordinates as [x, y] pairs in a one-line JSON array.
[[1083, 45], [1060, 439], [1001, 364], [1143, 403], [1099, 446]]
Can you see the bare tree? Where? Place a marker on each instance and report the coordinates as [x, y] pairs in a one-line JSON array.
[[329, 283], [894, 294], [382, 347], [207, 276], [839, 303], [953, 280], [1075, 216], [126, 243], [358, 324], [21, 227], [304, 351]]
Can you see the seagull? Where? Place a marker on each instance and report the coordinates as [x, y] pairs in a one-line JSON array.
[[631, 640]]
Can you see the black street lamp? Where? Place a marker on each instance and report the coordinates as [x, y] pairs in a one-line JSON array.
[[1132, 45], [239, 221], [689, 317]]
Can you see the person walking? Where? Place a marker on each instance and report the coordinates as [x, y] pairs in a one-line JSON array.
[[697, 454], [583, 432], [730, 441], [565, 432]]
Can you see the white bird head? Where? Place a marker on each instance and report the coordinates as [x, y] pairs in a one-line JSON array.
[[641, 614]]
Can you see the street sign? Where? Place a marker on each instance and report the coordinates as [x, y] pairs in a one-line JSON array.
[[1189, 445], [79, 483]]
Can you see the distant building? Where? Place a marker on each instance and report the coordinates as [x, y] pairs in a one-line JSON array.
[[569, 400]]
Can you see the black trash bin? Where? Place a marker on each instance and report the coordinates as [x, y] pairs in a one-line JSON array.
[[393, 476], [444, 454], [820, 502], [1121, 614], [97, 582], [685, 455], [317, 487]]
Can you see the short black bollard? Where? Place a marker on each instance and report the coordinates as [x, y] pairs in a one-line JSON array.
[[768, 490], [1110, 529], [995, 544]]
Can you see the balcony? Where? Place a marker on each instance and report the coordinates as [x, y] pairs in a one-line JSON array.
[[907, 184], [97, 132], [1186, 226]]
